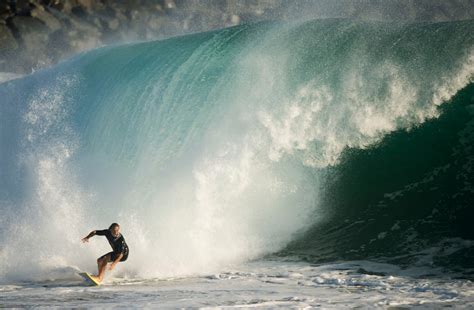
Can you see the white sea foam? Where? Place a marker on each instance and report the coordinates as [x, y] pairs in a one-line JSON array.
[[45, 234], [261, 284], [7, 76], [320, 123]]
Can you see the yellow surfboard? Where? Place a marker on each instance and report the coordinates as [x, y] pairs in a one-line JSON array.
[[89, 279]]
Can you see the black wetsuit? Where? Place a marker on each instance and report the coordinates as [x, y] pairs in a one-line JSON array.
[[117, 243]]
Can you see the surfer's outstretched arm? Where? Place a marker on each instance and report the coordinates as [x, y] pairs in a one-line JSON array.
[[90, 235]]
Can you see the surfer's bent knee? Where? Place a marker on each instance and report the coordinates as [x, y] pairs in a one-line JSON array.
[[105, 257]]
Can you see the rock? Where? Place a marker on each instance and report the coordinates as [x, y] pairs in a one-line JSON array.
[[7, 40], [20, 7], [58, 44], [169, 4], [154, 24], [123, 19], [159, 8], [51, 22], [88, 4], [65, 6], [113, 24], [235, 19], [79, 12], [8, 47], [4, 5], [32, 31], [33, 38], [5, 11]]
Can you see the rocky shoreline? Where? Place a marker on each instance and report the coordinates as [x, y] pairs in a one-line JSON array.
[[38, 33]]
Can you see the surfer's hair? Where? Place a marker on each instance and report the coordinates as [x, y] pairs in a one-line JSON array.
[[113, 225]]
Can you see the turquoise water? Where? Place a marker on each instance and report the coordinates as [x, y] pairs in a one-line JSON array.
[[321, 140]]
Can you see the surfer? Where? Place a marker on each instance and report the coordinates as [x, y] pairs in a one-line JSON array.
[[119, 247]]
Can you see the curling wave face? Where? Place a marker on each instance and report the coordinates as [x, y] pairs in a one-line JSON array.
[[221, 147]]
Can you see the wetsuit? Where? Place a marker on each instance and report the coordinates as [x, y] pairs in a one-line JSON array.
[[117, 243]]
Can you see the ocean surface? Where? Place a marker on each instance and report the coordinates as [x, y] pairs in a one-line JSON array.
[[323, 163]]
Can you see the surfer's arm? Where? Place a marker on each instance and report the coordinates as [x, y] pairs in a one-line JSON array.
[[119, 257], [102, 232], [90, 235]]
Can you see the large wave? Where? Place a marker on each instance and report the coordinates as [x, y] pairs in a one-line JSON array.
[[221, 147]]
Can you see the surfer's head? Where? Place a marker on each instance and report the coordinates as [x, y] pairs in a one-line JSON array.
[[114, 229]]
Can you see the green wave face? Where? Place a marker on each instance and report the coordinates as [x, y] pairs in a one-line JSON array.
[[327, 139]]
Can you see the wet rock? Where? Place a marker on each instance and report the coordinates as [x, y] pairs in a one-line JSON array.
[[79, 11], [169, 4], [235, 19], [87, 4], [5, 11], [8, 47], [113, 24], [32, 31], [20, 7], [7, 40], [32, 36], [48, 19]]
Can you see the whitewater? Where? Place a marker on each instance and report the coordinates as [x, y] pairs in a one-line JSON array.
[[324, 163]]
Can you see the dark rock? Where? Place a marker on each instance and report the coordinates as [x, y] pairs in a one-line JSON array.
[[8, 47], [21, 7], [5, 11], [47, 18], [31, 30], [32, 36], [7, 40], [87, 4], [59, 45], [169, 4], [79, 12]]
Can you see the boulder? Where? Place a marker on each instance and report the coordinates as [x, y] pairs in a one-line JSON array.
[[21, 7], [48, 19], [113, 24], [88, 4], [169, 4], [5, 11], [8, 49], [7, 40], [33, 39], [31, 31]]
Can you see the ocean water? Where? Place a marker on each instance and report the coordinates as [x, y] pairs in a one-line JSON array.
[[325, 163], [262, 284]]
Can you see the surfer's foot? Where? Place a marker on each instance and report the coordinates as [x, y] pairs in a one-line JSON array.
[[96, 278]]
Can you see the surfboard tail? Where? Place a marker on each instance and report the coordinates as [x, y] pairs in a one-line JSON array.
[[89, 279]]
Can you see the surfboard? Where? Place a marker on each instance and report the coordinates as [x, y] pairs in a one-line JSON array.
[[89, 279]]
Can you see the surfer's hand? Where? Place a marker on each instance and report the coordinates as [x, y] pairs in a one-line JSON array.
[[85, 239], [112, 266]]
